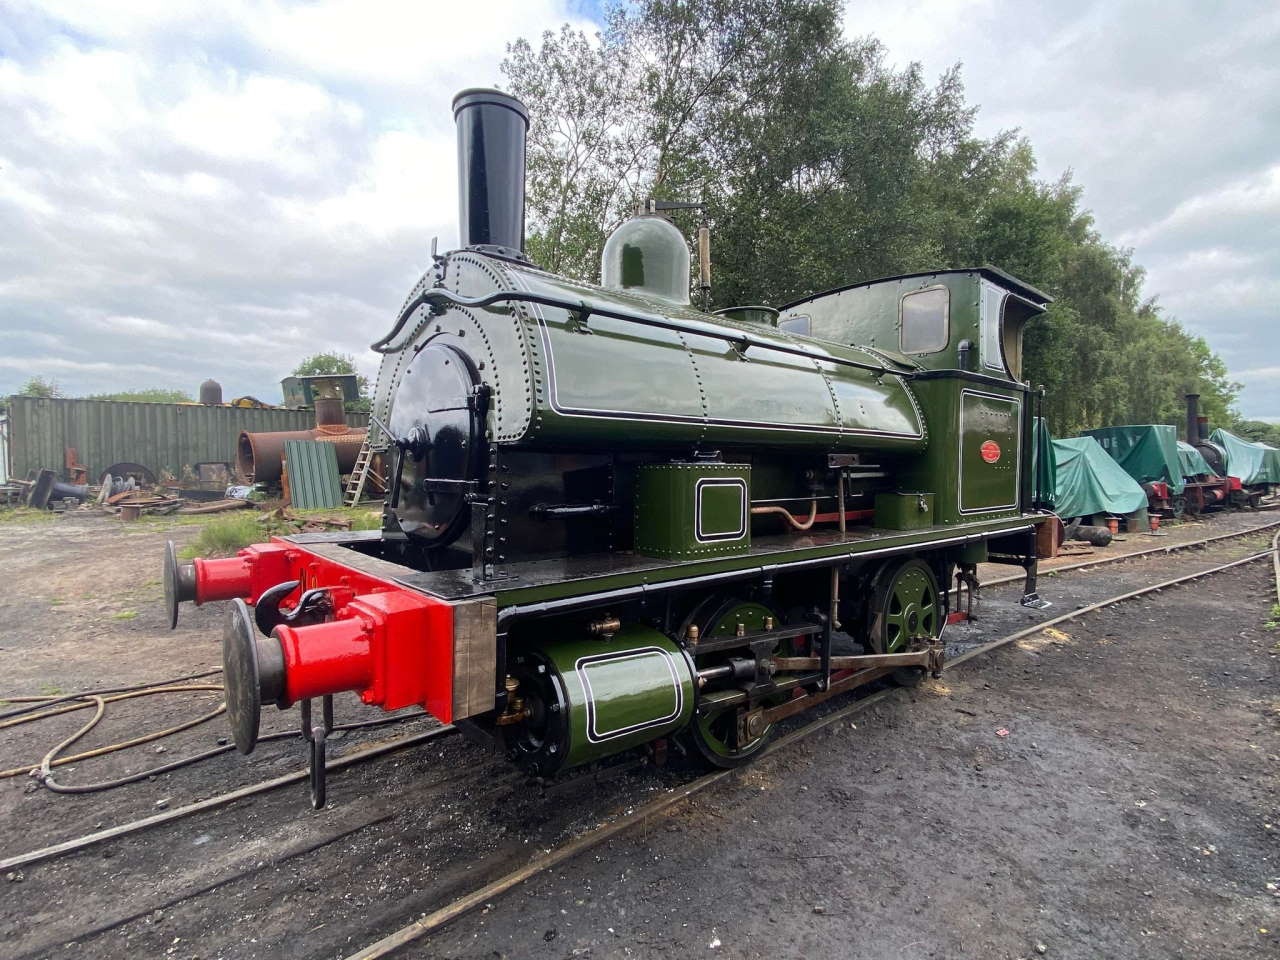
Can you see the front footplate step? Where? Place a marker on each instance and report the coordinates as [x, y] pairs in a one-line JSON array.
[[1035, 602]]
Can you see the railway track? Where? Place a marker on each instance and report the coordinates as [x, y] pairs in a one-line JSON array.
[[1164, 550], [433, 921], [584, 841]]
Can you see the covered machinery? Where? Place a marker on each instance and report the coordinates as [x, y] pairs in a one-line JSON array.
[[1088, 482], [1152, 454], [1256, 464], [1248, 470]]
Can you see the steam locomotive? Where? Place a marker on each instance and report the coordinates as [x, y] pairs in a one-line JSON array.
[[616, 521]]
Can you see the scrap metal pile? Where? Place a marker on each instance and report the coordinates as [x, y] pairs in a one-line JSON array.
[[127, 490]]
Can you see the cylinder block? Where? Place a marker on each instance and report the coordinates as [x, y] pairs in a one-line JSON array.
[[586, 698]]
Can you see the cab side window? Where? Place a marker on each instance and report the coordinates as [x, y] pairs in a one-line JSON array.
[[925, 321], [993, 299]]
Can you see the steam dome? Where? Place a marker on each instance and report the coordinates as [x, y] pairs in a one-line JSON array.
[[648, 256]]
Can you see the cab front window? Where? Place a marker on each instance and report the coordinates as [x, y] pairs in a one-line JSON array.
[[925, 319]]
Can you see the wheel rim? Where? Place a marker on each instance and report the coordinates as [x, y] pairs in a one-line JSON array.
[[909, 608], [716, 733]]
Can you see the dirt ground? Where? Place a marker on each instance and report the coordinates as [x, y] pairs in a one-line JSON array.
[[1131, 809]]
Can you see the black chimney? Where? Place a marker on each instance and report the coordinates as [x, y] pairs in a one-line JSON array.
[[1193, 423], [491, 136]]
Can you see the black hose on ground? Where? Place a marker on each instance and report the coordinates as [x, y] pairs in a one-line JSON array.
[[43, 771], [40, 703]]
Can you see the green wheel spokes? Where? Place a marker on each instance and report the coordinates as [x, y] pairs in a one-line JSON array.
[[912, 609], [906, 606]]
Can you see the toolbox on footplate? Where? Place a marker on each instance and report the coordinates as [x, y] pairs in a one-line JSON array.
[[904, 511]]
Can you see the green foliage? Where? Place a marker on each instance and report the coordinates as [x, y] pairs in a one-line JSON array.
[[1274, 622], [819, 165], [1258, 431], [321, 364], [151, 395], [40, 387]]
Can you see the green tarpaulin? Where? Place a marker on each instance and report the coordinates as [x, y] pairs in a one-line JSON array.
[[1193, 465], [1044, 465], [1088, 481], [1251, 462], [1148, 452]]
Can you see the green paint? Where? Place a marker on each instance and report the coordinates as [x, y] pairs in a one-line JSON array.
[[871, 314], [904, 511], [689, 510], [849, 548], [621, 691], [717, 732], [989, 450], [964, 416], [624, 384], [647, 255], [910, 608]]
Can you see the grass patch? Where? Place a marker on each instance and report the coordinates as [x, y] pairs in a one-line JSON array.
[[26, 515], [1274, 622], [362, 518], [225, 535], [124, 615]]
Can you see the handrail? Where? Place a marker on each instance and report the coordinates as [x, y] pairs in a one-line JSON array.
[[740, 340]]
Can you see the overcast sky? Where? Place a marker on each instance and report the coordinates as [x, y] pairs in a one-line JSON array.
[[220, 189]]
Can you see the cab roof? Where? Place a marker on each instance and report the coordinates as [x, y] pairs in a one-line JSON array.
[[1007, 280]]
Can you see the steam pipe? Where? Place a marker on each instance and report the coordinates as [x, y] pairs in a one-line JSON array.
[[258, 454]]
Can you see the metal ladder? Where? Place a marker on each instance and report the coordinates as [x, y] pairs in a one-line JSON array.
[[359, 474]]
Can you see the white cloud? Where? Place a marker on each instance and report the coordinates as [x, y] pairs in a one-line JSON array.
[[190, 189], [1252, 197], [397, 44]]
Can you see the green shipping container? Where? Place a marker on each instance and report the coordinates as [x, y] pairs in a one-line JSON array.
[[164, 437]]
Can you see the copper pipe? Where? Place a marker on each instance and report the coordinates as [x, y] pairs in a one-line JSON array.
[[783, 511]]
